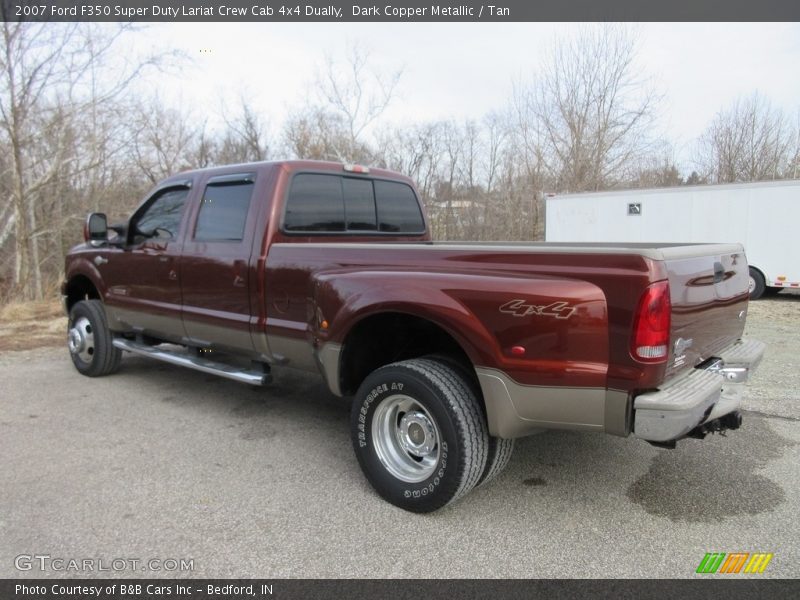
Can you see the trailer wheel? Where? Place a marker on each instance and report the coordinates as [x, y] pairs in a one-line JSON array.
[[89, 340], [419, 434], [757, 284]]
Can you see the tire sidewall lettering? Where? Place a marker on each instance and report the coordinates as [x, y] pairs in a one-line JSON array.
[[377, 393]]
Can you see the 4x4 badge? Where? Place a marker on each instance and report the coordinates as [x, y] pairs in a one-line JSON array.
[[519, 308]]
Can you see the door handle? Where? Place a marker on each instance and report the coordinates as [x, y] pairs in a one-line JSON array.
[[163, 259], [238, 267], [719, 272], [173, 275], [99, 260]]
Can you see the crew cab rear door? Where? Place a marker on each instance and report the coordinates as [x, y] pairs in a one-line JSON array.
[[215, 265]]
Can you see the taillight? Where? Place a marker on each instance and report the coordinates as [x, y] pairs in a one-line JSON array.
[[651, 324]]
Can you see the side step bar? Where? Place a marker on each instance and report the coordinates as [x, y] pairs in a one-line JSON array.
[[249, 376]]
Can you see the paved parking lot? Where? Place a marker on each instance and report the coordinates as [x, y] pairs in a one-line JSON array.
[[159, 462]]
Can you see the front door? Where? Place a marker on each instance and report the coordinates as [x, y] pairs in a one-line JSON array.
[[144, 288]]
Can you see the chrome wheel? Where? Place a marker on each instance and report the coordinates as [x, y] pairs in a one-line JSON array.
[[80, 339], [406, 438], [751, 285]]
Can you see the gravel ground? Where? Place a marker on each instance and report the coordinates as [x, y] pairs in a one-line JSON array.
[[159, 462], [776, 388]]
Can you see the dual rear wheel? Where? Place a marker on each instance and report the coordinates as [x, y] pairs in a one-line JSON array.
[[420, 434]]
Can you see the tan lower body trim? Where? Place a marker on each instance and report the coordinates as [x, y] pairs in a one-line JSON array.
[[328, 357], [515, 410]]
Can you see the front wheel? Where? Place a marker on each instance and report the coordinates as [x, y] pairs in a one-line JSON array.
[[419, 434], [91, 346]]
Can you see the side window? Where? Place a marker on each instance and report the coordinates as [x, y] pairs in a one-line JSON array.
[[398, 209], [223, 211], [315, 203], [162, 218], [359, 204]]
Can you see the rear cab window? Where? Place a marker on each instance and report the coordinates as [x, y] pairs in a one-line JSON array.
[[338, 204]]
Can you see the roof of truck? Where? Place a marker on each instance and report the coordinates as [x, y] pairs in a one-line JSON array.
[[292, 165]]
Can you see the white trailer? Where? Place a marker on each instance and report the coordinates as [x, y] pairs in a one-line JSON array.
[[762, 216]]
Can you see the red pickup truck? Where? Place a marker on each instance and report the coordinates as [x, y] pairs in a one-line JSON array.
[[450, 351]]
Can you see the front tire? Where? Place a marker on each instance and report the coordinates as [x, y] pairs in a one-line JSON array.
[[419, 434], [89, 340]]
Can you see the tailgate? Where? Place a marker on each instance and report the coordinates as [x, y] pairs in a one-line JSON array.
[[709, 294]]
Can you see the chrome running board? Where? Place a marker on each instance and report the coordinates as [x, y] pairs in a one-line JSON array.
[[242, 375]]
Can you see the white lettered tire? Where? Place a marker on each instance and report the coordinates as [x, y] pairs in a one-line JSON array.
[[419, 434], [500, 449]]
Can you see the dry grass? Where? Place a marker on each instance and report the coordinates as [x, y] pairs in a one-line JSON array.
[[27, 325], [30, 311]]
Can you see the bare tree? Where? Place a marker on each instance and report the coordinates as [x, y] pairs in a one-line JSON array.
[[749, 141], [319, 134], [163, 140], [49, 79], [470, 178], [588, 114], [246, 138], [656, 169], [414, 150], [350, 99], [28, 62], [356, 92], [497, 137]]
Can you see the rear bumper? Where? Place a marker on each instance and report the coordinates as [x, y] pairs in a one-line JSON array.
[[702, 395]]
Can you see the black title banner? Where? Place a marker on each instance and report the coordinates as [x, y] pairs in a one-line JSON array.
[[398, 10], [403, 589]]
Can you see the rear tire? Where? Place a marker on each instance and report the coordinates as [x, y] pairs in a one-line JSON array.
[[500, 449], [419, 434], [91, 345], [757, 284]]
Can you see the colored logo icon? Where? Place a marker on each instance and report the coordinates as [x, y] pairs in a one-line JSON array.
[[734, 562]]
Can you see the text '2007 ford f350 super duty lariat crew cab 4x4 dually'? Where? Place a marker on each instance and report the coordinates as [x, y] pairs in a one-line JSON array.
[[449, 350]]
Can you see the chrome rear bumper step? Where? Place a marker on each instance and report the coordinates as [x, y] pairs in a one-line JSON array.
[[242, 375], [702, 396]]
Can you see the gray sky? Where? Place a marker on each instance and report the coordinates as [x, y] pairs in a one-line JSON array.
[[464, 70]]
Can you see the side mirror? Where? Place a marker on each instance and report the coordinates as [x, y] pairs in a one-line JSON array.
[[95, 231]]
